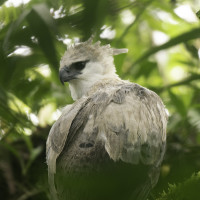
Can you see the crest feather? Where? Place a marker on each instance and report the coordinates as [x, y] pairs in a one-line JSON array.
[[89, 51], [106, 48], [119, 51], [90, 40]]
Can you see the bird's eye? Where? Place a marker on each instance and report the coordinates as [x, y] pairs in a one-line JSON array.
[[80, 65]]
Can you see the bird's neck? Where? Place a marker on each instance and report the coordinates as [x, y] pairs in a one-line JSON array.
[[79, 87]]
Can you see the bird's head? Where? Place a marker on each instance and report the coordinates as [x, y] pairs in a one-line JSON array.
[[86, 63]]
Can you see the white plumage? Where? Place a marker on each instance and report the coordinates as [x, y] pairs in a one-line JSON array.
[[111, 122]]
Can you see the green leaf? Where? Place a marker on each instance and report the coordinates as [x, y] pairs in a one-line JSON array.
[[2, 1], [92, 16], [9, 14], [192, 50], [41, 30], [190, 35], [183, 191], [186, 81], [33, 155], [14, 27], [178, 103], [198, 14]]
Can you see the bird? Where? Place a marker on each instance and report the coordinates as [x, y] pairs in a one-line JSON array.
[[110, 143]]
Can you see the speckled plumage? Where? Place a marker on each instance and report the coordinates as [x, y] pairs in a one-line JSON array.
[[114, 122]]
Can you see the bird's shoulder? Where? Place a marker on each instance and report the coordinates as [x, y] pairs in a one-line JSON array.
[[131, 121]]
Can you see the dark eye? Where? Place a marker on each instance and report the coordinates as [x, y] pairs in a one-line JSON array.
[[80, 65]]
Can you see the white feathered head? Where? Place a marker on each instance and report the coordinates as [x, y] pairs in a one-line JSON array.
[[87, 59]]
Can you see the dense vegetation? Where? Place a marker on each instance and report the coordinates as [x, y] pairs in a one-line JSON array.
[[163, 38]]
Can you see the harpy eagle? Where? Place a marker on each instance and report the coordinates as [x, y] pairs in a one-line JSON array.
[[109, 144]]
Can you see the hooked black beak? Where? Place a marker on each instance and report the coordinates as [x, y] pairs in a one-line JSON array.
[[66, 74]]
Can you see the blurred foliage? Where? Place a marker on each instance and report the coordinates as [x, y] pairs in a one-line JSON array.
[[186, 190], [163, 38]]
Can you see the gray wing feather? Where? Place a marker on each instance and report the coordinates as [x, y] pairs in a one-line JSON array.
[[56, 141], [53, 149], [134, 129]]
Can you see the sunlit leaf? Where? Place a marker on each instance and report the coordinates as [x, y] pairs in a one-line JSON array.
[[193, 34]]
